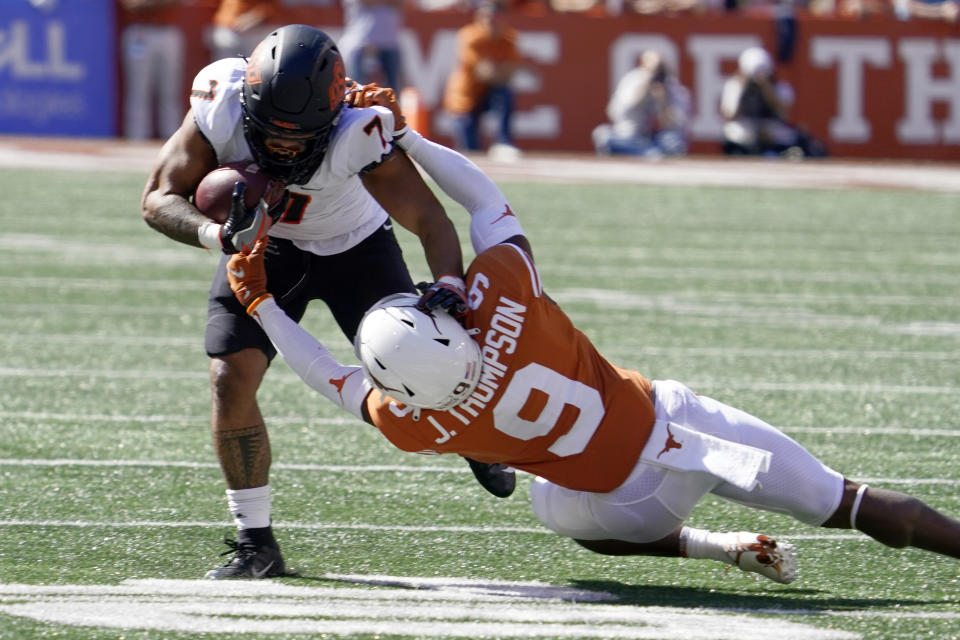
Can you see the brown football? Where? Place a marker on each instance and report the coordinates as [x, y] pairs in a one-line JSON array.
[[215, 191]]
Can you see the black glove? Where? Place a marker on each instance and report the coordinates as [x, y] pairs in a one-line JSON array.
[[448, 294], [245, 226], [498, 479]]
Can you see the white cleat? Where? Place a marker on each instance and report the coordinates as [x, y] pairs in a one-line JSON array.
[[757, 553]]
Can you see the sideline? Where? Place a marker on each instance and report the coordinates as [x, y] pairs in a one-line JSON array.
[[118, 155]]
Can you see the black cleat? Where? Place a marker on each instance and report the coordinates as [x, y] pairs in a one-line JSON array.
[[498, 479], [249, 561]]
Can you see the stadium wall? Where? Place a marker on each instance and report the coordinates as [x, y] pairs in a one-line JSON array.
[[57, 68], [870, 88]]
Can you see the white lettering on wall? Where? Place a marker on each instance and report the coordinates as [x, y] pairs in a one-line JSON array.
[[922, 89], [428, 73], [543, 120], [931, 76], [15, 54], [850, 55]]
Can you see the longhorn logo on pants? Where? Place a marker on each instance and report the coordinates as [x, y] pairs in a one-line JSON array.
[[672, 443]]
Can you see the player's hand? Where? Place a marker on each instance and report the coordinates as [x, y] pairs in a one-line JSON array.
[[247, 276], [449, 294], [369, 95], [245, 226]]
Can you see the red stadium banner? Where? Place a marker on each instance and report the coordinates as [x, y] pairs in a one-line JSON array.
[[871, 88]]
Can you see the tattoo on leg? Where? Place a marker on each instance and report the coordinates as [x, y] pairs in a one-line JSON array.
[[244, 454]]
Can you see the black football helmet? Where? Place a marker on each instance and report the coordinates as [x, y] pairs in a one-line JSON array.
[[293, 90]]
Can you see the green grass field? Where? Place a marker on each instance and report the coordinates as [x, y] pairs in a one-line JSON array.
[[832, 314]]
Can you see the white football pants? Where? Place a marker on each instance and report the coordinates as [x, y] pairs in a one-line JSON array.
[[654, 501]]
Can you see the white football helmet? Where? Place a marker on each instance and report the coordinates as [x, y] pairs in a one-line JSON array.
[[422, 359]]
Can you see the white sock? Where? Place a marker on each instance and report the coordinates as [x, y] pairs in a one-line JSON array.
[[703, 544], [250, 507]]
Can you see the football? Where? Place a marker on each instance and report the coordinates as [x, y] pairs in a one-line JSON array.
[[215, 191]]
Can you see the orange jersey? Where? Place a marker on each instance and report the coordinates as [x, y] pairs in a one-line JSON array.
[[547, 401], [229, 10], [476, 43]]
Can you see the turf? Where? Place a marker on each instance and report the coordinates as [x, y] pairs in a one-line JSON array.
[[831, 313]]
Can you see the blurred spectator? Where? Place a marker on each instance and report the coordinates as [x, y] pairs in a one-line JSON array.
[[661, 7], [576, 6], [648, 112], [487, 57], [827, 7], [785, 28], [860, 8], [370, 43], [755, 105], [944, 10], [152, 58], [239, 25]]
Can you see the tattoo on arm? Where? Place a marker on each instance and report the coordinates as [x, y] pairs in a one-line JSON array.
[[178, 221]]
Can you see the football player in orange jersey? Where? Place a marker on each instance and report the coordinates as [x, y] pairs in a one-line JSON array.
[[620, 461]]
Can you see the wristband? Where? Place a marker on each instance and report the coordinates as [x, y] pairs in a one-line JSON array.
[[454, 281], [252, 307], [408, 137], [208, 234]]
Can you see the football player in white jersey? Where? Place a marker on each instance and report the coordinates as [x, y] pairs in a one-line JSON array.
[[330, 239], [622, 472]]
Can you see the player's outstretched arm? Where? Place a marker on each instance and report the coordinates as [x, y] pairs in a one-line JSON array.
[[492, 221], [343, 385], [400, 189]]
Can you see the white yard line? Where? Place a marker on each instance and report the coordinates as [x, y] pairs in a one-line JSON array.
[[191, 342], [352, 526], [157, 418], [559, 271], [356, 468], [626, 272], [164, 464], [801, 387], [824, 387], [413, 605], [311, 526], [388, 605], [35, 249], [684, 311], [83, 418], [608, 298]]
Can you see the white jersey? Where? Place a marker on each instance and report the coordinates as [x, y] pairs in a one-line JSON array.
[[333, 211]]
